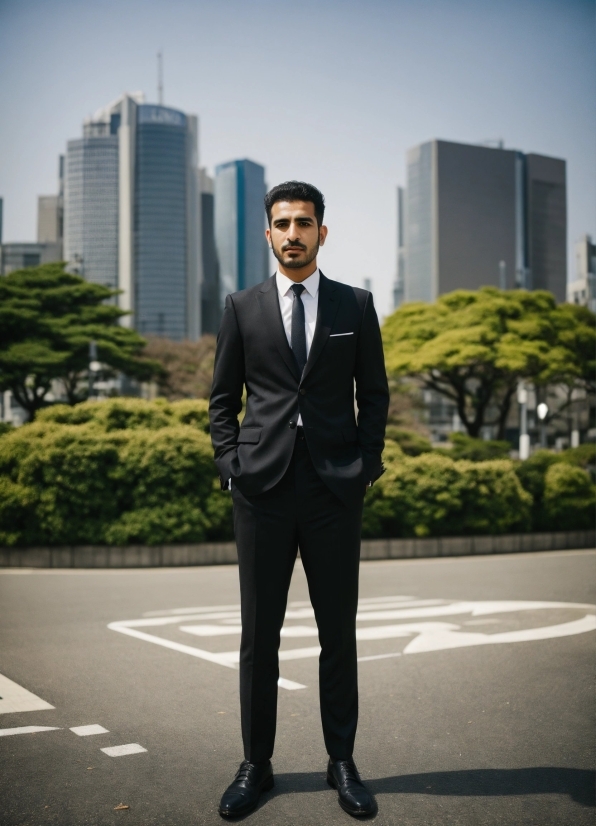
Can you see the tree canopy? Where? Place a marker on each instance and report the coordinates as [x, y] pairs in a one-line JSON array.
[[48, 317], [473, 347]]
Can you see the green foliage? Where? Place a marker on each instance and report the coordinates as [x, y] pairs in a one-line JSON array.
[[5, 427], [550, 486], [433, 495], [131, 471], [92, 483], [582, 456], [474, 347], [475, 450], [569, 498], [47, 319], [411, 442], [128, 413]]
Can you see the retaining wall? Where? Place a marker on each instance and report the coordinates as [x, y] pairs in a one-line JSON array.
[[224, 553]]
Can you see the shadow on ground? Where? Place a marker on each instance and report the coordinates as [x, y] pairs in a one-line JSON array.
[[577, 783]]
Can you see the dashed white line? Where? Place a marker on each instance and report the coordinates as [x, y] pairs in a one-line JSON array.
[[122, 751], [6, 732], [85, 731]]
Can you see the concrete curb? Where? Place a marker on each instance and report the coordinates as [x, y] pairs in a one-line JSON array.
[[224, 553]]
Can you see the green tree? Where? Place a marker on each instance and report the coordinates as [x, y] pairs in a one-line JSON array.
[[474, 347], [47, 319]]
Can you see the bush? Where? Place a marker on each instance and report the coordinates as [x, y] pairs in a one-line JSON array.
[[433, 495], [475, 450], [411, 442], [127, 413], [533, 474], [130, 471], [568, 498], [93, 483]]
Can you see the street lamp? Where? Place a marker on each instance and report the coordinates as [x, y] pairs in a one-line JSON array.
[[542, 411], [524, 438], [94, 366]]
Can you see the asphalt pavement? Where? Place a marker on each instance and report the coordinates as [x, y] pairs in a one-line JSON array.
[[119, 695]]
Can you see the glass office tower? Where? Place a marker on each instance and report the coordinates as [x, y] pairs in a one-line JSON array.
[[132, 213], [240, 225], [160, 270], [91, 199], [479, 216]]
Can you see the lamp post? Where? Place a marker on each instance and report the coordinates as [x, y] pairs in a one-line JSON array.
[[94, 366], [524, 438], [542, 411]]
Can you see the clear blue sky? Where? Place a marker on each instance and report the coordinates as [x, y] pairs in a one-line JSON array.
[[329, 91]]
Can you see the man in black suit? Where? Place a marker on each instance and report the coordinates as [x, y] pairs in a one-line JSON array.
[[306, 349]]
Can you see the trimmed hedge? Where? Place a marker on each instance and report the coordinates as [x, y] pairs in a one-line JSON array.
[[116, 473], [433, 495], [127, 471]]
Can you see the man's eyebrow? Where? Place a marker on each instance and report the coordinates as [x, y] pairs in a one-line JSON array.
[[299, 218]]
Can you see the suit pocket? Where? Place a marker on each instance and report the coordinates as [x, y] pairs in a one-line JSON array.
[[249, 435]]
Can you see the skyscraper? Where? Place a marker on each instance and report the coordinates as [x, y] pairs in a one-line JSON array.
[[132, 212], [50, 214], [240, 225], [210, 298], [477, 215], [583, 289]]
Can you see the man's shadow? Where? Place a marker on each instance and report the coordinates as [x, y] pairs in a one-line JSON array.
[[577, 783]]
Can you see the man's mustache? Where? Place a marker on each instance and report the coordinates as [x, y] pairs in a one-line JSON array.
[[293, 245]]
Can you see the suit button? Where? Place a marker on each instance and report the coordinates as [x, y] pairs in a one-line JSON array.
[[292, 425], [302, 391]]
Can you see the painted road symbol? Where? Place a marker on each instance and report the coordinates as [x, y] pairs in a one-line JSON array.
[[420, 624]]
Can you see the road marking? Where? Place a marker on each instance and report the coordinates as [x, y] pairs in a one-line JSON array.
[[122, 751], [451, 638], [289, 684], [428, 633], [6, 732], [379, 657], [13, 697], [124, 628], [86, 731]]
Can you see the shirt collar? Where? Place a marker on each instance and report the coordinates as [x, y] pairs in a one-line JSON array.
[[311, 284]]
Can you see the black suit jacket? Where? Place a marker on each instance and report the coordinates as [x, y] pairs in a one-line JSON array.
[[253, 351]]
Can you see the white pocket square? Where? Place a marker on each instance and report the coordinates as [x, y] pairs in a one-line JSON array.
[[335, 335]]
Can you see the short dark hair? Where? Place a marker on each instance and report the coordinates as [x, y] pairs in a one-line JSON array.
[[296, 191]]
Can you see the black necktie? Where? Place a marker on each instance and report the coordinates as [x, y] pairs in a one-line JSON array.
[[298, 336]]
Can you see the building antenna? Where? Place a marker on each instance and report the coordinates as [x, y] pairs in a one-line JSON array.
[[160, 78]]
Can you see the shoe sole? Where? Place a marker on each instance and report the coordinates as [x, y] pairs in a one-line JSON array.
[[265, 787], [344, 806]]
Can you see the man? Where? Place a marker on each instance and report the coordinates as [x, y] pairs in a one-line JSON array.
[[298, 469]]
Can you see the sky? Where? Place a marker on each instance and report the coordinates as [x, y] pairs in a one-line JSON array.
[[333, 92]]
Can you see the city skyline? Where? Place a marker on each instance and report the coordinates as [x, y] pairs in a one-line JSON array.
[[372, 84]]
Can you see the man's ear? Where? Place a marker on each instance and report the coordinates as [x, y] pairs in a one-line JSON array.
[[268, 237], [322, 234]]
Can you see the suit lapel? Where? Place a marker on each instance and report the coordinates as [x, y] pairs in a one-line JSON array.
[[327, 310], [269, 304]]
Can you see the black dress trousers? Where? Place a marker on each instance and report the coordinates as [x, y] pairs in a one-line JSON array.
[[299, 512]]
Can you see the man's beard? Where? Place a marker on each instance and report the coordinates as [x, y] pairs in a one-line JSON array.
[[297, 263]]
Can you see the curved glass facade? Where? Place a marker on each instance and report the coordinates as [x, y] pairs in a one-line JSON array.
[[91, 211], [160, 222]]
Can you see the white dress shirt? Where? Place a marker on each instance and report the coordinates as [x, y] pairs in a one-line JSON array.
[[310, 299]]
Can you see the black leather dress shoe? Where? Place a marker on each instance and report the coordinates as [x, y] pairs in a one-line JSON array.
[[242, 796], [354, 797]]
